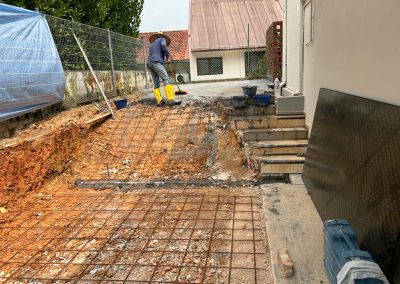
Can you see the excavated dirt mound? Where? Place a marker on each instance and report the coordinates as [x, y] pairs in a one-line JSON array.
[[39, 151]]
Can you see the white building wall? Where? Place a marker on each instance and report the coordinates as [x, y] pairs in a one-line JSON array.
[[233, 62], [356, 49]]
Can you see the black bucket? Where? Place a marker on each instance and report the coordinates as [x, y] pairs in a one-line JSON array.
[[249, 91], [239, 102]]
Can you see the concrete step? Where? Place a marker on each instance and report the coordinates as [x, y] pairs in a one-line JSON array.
[[227, 100], [270, 121], [272, 134], [249, 111], [280, 147], [278, 164]]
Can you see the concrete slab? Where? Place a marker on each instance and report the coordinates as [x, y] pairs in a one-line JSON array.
[[226, 88], [292, 222], [289, 105], [296, 179]]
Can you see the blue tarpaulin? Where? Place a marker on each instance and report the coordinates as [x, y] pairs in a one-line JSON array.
[[31, 73]]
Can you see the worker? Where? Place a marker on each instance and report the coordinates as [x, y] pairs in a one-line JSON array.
[[158, 55]]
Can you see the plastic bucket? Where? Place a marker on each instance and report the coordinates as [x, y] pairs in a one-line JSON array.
[[239, 102], [121, 103], [262, 100], [249, 91]]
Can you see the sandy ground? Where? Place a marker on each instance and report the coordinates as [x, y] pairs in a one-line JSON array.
[[61, 233]]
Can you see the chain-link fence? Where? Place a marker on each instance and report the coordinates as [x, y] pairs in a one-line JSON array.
[[118, 61]]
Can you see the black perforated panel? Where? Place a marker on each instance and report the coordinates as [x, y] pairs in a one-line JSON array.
[[352, 171]]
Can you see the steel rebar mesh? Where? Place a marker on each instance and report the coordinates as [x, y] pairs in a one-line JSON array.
[[152, 235], [175, 234], [148, 143], [107, 52]]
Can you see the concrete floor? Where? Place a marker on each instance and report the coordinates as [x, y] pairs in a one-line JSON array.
[[293, 223], [226, 88]]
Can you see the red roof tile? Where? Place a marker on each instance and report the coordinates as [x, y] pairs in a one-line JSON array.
[[179, 48]]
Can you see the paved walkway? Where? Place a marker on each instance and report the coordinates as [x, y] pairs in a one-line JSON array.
[[293, 223]]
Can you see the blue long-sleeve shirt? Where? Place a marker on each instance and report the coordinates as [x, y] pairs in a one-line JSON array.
[[158, 51]]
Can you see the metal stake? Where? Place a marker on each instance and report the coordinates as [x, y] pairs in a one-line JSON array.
[[112, 62], [94, 75], [248, 49], [145, 66]]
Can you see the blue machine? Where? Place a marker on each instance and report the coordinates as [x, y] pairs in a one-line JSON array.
[[340, 247]]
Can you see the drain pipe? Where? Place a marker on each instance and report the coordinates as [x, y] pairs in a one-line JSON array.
[[301, 63], [286, 39]]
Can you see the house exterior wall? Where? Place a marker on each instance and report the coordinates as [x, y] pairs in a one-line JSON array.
[[356, 50], [291, 45], [232, 61]]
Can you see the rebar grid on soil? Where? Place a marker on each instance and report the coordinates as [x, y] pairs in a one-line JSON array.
[[181, 230], [151, 143], [152, 235]]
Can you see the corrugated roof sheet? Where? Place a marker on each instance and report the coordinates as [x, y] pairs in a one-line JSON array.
[[223, 24], [179, 44]]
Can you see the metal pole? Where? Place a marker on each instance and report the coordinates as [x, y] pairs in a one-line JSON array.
[[248, 49], [112, 63], [94, 75], [145, 66]]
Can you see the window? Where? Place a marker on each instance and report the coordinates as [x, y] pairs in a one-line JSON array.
[[209, 66]]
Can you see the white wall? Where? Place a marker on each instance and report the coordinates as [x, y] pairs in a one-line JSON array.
[[291, 46], [233, 64], [80, 86], [356, 49]]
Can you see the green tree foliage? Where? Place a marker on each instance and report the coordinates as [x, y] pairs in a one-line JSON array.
[[121, 16]]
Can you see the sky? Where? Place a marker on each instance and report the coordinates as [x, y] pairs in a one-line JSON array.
[[164, 15]]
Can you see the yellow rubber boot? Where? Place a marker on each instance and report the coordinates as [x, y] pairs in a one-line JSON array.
[[157, 95], [170, 94]]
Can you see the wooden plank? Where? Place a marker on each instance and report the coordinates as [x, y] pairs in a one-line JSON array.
[[98, 118]]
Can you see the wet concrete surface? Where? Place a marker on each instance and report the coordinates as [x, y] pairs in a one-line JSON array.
[[213, 89]]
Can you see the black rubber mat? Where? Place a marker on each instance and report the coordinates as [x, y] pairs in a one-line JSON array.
[[352, 171]]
